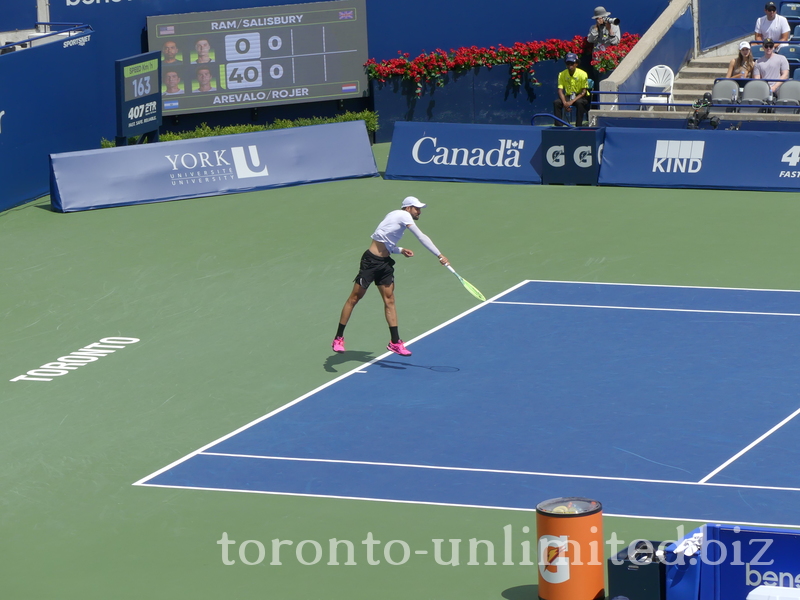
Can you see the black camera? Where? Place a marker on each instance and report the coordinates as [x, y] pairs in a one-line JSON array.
[[702, 108], [612, 20]]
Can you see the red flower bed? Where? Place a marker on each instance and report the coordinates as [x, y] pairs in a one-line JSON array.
[[522, 57]]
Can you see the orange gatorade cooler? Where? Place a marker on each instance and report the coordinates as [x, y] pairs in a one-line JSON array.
[[570, 549]]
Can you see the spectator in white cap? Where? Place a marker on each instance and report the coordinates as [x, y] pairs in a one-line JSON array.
[[377, 265], [772, 25], [605, 31], [741, 67]]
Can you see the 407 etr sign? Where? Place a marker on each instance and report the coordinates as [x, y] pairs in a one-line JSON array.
[[138, 94]]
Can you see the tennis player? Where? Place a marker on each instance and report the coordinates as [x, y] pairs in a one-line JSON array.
[[377, 265]]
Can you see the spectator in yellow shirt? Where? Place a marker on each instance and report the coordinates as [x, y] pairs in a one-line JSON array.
[[573, 91]]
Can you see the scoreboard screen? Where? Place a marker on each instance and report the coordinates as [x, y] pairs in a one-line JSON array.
[[138, 94], [251, 57]]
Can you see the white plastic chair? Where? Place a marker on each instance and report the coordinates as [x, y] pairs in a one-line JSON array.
[[659, 80]]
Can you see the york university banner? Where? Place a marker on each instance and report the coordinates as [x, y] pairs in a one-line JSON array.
[[463, 152], [209, 166], [675, 158]]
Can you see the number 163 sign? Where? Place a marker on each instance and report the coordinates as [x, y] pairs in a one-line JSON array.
[[138, 94]]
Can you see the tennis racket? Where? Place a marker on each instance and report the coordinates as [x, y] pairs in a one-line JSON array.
[[469, 287]]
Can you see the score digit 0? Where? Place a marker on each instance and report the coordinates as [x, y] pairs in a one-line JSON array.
[[243, 46]]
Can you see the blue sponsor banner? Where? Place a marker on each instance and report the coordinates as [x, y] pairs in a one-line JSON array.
[[672, 158], [732, 561], [465, 152], [571, 155], [210, 166], [747, 557]]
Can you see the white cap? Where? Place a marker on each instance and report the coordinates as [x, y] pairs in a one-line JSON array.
[[744, 44], [412, 201]]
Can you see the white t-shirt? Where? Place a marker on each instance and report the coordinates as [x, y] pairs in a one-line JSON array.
[[392, 228], [772, 29]]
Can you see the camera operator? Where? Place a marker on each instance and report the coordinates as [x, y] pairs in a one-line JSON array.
[[605, 31]]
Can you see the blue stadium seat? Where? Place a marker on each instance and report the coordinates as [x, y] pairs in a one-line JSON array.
[[795, 34], [791, 10], [791, 52], [757, 50]]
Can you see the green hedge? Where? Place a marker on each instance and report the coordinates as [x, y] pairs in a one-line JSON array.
[[370, 119]]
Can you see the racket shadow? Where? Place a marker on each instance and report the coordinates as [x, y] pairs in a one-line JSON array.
[[336, 360]]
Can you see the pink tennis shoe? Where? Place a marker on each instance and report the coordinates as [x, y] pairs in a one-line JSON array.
[[338, 344], [399, 348]]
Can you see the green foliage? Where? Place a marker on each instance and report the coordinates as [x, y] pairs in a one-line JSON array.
[[369, 117]]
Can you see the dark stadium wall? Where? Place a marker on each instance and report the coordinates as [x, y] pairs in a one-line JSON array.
[[723, 21], [16, 15], [46, 107], [411, 26]]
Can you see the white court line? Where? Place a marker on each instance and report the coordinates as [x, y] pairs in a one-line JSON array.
[[494, 299], [661, 285], [687, 310], [750, 447], [358, 369], [429, 503], [503, 471]]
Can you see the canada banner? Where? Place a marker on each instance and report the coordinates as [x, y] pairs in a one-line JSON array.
[[465, 152], [210, 166]]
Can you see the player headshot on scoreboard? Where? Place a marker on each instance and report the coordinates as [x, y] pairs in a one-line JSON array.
[[170, 52], [172, 82], [203, 50], [204, 80]]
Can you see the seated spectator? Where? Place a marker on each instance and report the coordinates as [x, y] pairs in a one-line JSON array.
[[772, 25], [771, 66], [573, 90], [741, 67]]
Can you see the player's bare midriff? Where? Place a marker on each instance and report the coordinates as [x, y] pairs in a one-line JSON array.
[[378, 249]]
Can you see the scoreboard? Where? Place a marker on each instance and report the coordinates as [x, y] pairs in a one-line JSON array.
[[251, 57], [138, 94]]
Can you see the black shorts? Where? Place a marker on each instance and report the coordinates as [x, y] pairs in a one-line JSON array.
[[374, 268]]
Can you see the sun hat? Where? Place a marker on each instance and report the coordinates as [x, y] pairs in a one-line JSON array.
[[600, 13]]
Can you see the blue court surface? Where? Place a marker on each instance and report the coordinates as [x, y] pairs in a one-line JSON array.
[[665, 402]]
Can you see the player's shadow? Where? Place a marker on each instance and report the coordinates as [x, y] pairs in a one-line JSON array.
[[396, 364], [349, 356], [521, 592]]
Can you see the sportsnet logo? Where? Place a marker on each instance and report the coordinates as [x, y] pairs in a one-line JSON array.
[[678, 156]]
